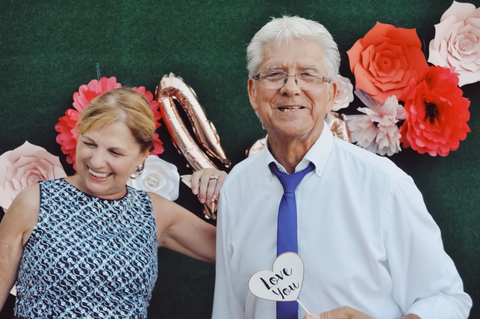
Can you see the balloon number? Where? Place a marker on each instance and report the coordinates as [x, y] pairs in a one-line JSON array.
[[172, 88]]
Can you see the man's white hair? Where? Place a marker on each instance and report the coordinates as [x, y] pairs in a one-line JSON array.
[[286, 29]]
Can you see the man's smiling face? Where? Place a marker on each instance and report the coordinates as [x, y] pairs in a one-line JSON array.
[[290, 111]]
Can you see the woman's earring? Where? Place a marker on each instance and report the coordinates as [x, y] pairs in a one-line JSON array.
[[138, 171]]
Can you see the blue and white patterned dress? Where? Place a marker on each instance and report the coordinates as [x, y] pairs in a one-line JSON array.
[[88, 257]]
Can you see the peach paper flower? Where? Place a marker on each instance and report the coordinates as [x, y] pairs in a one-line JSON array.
[[344, 94], [68, 135], [457, 42], [385, 59], [24, 166], [377, 131], [436, 112]]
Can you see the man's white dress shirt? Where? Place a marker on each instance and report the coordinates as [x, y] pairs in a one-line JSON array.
[[364, 234]]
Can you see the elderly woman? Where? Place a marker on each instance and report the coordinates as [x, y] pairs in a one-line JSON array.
[[86, 245]]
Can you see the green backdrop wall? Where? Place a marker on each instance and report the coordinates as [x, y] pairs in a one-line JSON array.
[[49, 48]]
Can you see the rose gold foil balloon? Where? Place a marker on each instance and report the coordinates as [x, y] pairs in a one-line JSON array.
[[256, 147], [181, 138], [338, 126], [336, 122], [204, 130], [183, 141]]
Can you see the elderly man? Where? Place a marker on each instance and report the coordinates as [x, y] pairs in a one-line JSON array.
[[369, 246]]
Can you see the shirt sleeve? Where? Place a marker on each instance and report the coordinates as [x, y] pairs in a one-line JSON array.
[[424, 278], [225, 302]]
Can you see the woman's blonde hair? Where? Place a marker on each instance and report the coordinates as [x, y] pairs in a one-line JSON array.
[[121, 105]]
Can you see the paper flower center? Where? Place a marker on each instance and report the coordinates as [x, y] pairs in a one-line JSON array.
[[32, 179], [384, 64], [431, 112], [153, 181], [466, 45]]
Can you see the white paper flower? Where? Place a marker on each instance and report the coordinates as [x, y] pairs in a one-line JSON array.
[[23, 166], [158, 177], [377, 131], [344, 93], [457, 42]]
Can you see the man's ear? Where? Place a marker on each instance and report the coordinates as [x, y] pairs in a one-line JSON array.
[[331, 94], [252, 93]]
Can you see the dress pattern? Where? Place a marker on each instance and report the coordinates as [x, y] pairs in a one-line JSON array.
[[88, 257]]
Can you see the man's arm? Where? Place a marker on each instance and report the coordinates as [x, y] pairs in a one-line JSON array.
[[425, 280], [225, 302]]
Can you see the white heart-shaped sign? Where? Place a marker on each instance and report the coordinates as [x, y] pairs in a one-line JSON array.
[[283, 283]]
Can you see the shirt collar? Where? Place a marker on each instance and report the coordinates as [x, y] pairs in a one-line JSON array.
[[318, 154]]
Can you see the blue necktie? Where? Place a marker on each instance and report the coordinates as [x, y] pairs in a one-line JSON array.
[[287, 227]]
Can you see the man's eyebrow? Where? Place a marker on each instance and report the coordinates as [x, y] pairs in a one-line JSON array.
[[273, 67], [301, 67], [308, 67]]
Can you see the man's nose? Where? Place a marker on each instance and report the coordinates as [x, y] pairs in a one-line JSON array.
[[291, 85]]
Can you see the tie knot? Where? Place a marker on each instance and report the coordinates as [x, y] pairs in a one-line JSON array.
[[290, 181]]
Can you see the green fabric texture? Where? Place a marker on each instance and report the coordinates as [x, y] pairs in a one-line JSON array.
[[49, 48]]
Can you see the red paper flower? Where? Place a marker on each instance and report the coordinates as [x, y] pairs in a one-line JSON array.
[[385, 59], [68, 135], [436, 112]]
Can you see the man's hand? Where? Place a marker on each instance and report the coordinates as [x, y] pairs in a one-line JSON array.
[[349, 313], [339, 313]]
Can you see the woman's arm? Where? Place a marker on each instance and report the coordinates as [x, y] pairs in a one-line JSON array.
[[181, 231], [15, 230]]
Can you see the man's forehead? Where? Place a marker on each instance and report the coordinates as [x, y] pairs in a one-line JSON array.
[[303, 52], [314, 64]]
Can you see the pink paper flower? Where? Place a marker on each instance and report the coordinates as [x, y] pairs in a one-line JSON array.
[[68, 135], [24, 166], [377, 131], [385, 59], [436, 112], [344, 93], [457, 42]]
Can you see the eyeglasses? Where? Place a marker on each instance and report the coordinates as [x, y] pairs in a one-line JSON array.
[[275, 79]]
